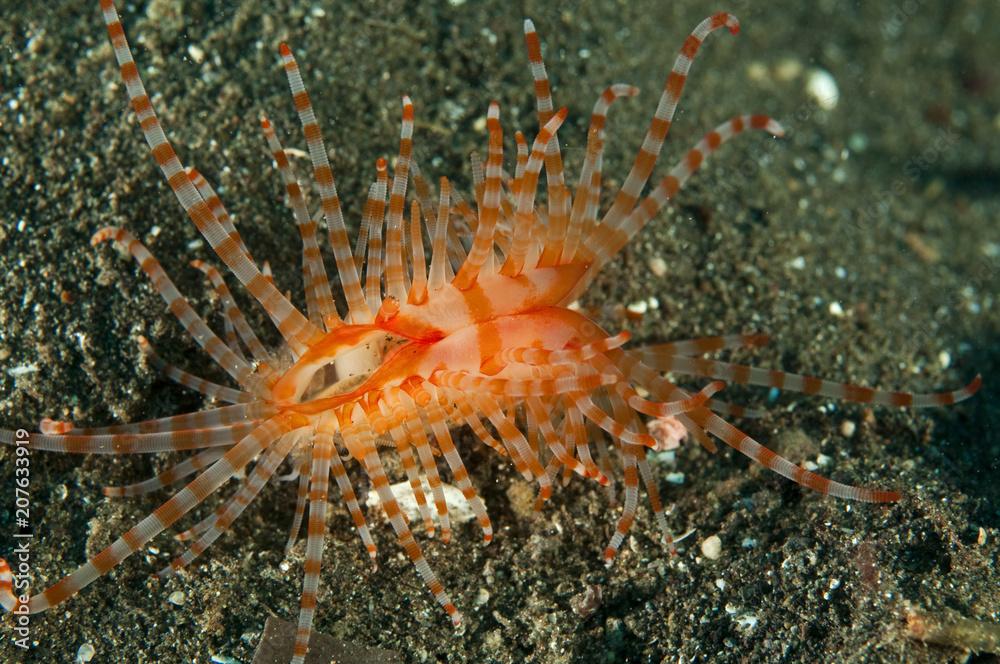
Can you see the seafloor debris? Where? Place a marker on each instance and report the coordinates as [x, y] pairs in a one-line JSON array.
[[975, 636]]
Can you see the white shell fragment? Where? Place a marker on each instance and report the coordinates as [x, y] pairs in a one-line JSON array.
[[821, 86], [711, 547], [459, 510]]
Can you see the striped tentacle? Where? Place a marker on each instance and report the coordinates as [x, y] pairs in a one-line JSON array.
[[319, 297], [524, 457], [743, 375], [135, 443], [219, 210], [162, 517], [214, 203], [421, 190], [510, 447], [361, 241], [418, 291], [607, 239], [521, 144], [632, 457], [349, 497], [482, 244], [454, 230], [319, 486], [406, 410], [631, 503], [653, 408], [611, 425], [465, 381], [202, 419], [395, 272], [607, 242], [190, 381], [7, 597], [364, 438], [228, 512], [466, 225], [704, 345], [604, 458], [373, 266], [648, 153], [703, 420], [294, 328], [232, 340], [540, 412], [471, 417], [576, 436], [323, 175], [588, 189], [524, 216], [606, 232], [434, 417], [629, 364], [265, 270], [54, 427], [542, 356], [404, 448], [558, 193], [233, 314], [439, 243], [241, 371], [532, 435], [169, 476], [655, 503], [746, 445], [300, 504], [734, 409]]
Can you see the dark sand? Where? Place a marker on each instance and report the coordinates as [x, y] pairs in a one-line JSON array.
[[897, 186]]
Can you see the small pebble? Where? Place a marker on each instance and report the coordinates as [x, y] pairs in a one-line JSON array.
[[821, 86], [711, 547], [836, 309], [788, 69], [85, 653], [658, 266], [757, 71], [197, 54], [586, 603], [639, 307], [944, 359], [177, 597], [675, 478], [847, 428]]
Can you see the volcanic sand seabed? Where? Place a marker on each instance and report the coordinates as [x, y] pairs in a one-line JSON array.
[[886, 205]]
